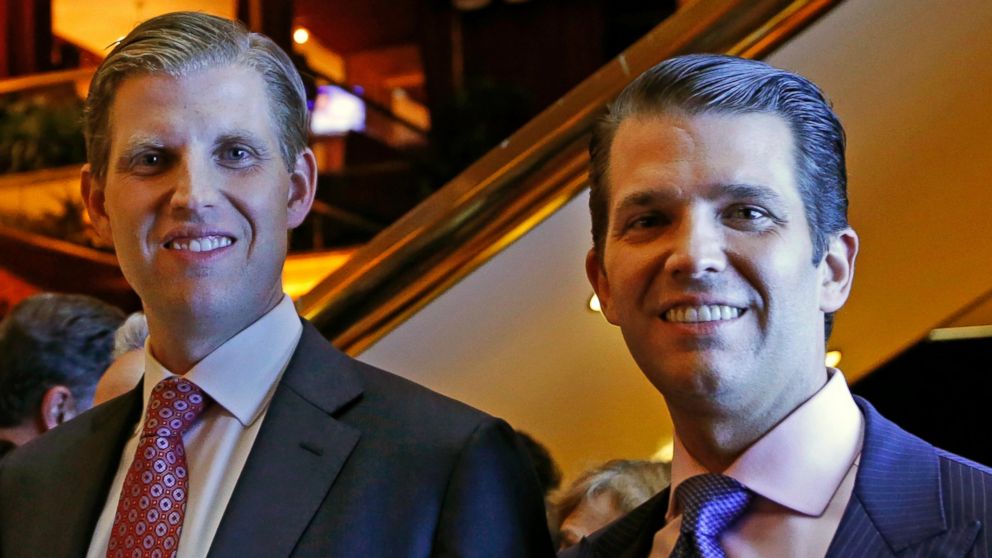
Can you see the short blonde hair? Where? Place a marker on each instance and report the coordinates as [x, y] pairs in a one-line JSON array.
[[180, 43]]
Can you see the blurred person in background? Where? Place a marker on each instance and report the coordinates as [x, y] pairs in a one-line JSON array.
[[125, 371], [53, 349], [603, 494], [548, 473]]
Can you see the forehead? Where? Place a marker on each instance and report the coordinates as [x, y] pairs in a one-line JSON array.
[[678, 151], [200, 102]]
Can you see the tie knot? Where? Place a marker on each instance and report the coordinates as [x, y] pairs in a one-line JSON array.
[[711, 503], [173, 407]]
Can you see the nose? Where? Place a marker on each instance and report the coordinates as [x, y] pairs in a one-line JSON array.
[[697, 247], [194, 188]]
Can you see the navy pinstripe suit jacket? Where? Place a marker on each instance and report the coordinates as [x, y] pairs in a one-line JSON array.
[[910, 499]]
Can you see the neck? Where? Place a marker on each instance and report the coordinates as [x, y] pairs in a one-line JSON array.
[[180, 339], [179, 346], [716, 436]]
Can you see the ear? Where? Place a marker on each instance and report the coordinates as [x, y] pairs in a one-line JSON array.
[[302, 187], [93, 198], [600, 285], [837, 270], [58, 405]]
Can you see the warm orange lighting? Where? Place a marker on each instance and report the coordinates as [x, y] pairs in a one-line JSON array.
[[303, 271], [594, 304], [665, 452], [832, 359], [301, 36]]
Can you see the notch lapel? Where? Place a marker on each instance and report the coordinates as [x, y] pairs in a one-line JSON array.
[[296, 457], [897, 505]]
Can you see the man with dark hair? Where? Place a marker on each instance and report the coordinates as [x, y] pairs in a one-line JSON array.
[[250, 435], [721, 249], [53, 348]]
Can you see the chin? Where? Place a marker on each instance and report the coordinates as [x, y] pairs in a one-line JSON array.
[[693, 377]]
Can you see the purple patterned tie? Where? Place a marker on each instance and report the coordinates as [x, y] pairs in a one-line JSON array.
[[152, 506], [710, 504]]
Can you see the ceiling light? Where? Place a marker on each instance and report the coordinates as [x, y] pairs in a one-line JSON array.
[[594, 304], [957, 333], [469, 5], [665, 452], [832, 359], [301, 36]]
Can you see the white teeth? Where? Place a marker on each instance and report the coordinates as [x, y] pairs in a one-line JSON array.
[[204, 244], [705, 313]]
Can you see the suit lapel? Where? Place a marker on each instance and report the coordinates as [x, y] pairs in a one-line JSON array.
[[296, 457], [897, 502], [88, 467]]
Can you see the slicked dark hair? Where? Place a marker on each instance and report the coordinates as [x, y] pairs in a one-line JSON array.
[[53, 339], [717, 84]]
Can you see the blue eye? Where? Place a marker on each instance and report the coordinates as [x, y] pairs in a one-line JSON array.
[[237, 156]]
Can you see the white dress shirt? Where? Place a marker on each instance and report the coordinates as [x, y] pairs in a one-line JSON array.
[[240, 377], [802, 473]]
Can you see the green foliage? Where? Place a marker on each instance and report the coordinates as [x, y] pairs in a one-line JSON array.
[[41, 128]]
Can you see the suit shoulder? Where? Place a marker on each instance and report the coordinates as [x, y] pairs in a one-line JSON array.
[[965, 482], [384, 398], [385, 391], [407, 396], [62, 440], [954, 461]]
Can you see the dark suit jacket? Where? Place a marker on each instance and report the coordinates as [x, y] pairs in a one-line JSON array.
[[5, 447], [349, 461], [910, 499]]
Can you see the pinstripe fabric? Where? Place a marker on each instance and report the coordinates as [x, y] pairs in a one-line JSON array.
[[910, 500]]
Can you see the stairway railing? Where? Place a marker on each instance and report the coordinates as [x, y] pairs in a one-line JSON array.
[[525, 179]]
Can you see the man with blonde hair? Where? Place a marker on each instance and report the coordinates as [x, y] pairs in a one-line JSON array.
[[250, 434]]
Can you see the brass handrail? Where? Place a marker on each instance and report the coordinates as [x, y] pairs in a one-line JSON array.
[[528, 177]]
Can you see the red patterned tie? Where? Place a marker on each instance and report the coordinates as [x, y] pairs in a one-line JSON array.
[[152, 506]]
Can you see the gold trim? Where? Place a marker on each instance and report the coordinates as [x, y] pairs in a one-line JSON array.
[[518, 184], [79, 76]]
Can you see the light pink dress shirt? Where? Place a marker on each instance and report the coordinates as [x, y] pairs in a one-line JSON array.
[[802, 473]]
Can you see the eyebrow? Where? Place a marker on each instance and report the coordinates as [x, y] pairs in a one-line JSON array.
[[135, 144], [139, 142], [737, 191], [145, 141]]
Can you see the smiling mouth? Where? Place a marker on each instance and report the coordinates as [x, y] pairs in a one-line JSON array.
[[202, 244], [702, 313]]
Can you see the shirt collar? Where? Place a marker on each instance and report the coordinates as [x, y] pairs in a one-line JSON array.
[[241, 374], [801, 461]]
